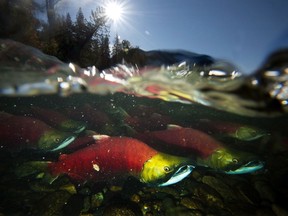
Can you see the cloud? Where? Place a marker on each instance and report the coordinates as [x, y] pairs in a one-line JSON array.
[[147, 32]]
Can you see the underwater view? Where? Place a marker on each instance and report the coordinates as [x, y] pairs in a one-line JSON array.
[[157, 132]]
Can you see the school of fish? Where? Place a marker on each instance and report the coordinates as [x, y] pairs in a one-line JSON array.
[[100, 144]]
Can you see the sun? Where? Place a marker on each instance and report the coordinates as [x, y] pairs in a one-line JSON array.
[[114, 10], [117, 14]]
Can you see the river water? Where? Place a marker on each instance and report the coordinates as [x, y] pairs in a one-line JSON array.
[[173, 91]]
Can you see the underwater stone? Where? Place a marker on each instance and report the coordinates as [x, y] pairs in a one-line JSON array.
[[192, 203], [74, 205], [240, 208], [209, 196], [135, 198], [223, 189], [279, 211], [118, 211], [265, 211], [182, 211], [247, 193], [51, 204], [97, 200], [121, 209], [161, 192], [264, 188]]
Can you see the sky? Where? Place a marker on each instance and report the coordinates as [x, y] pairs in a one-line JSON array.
[[242, 32]]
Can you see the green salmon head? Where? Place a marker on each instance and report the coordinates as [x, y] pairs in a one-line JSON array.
[[232, 161], [54, 140], [163, 169], [246, 133], [73, 126]]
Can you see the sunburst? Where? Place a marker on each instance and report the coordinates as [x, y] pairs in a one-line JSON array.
[[114, 11]]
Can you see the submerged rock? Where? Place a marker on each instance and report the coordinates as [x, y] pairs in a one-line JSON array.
[[223, 189], [74, 206], [192, 203], [52, 204], [122, 208], [209, 196]]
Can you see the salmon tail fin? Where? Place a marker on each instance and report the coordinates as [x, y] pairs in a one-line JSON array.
[[35, 169]]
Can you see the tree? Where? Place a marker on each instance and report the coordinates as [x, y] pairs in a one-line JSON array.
[[65, 38], [126, 45], [116, 50], [136, 56], [18, 21], [104, 54], [124, 51], [84, 42], [87, 35]]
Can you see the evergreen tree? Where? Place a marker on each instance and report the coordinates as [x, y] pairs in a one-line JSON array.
[[65, 38], [83, 42], [123, 51], [18, 21], [136, 56], [116, 50], [87, 37], [104, 54]]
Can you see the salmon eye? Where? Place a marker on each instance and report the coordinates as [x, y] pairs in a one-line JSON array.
[[57, 140], [167, 169], [234, 160]]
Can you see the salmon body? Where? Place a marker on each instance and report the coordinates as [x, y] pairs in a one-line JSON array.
[[188, 140], [118, 157], [19, 132], [57, 120], [93, 117], [204, 150], [105, 159], [230, 129]]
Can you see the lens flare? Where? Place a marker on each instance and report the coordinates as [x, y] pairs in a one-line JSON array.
[[114, 10]]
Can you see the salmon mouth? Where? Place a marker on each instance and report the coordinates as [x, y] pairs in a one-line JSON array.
[[179, 175], [65, 143], [251, 166]]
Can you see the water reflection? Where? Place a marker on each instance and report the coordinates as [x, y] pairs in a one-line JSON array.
[[171, 76]]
